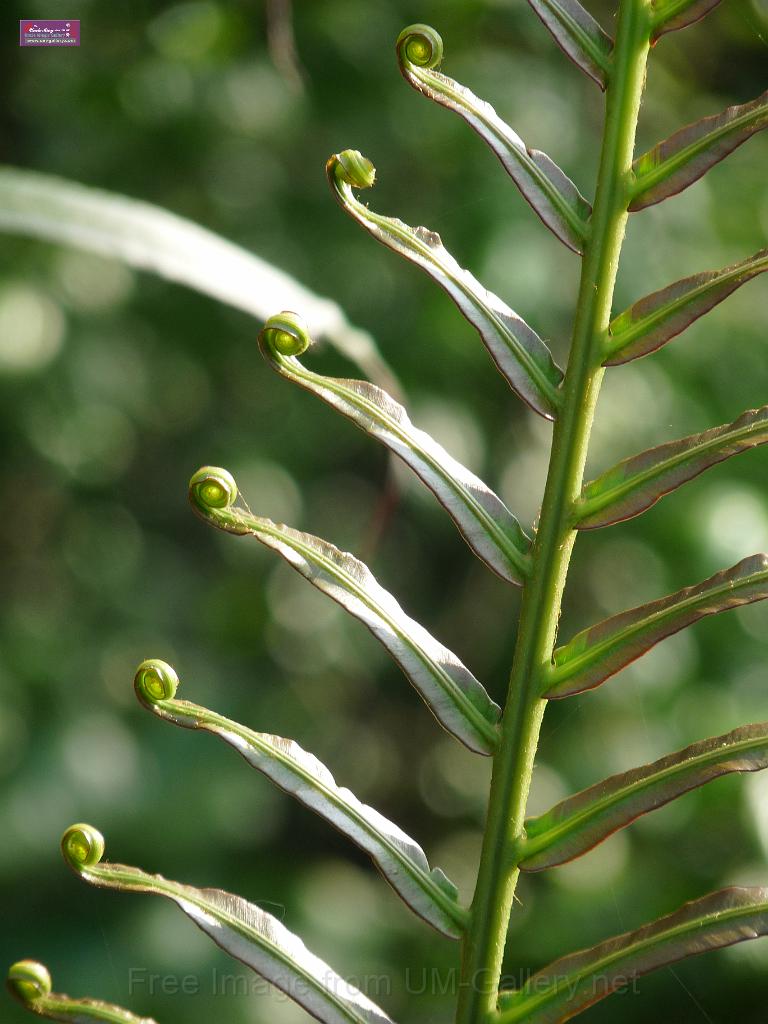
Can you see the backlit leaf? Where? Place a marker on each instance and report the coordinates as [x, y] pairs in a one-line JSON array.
[[635, 484], [577, 824], [519, 353], [241, 929], [451, 692], [30, 983], [401, 861], [653, 321], [568, 986], [550, 192], [601, 651], [156, 240], [671, 15], [684, 157], [579, 36], [481, 516]]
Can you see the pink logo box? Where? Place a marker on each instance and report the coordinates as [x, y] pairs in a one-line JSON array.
[[49, 33]]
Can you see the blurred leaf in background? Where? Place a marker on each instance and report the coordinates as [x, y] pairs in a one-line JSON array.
[[116, 385]]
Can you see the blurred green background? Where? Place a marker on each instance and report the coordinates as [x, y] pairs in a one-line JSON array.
[[115, 386]]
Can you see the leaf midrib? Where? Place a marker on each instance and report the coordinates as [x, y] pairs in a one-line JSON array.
[[213, 723], [618, 491], [503, 541], [645, 324], [410, 239], [675, 161], [532, 1003], [563, 671], [547, 838]]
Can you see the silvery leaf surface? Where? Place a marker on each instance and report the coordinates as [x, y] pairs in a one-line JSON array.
[[482, 518], [454, 696], [401, 860], [517, 350], [577, 824], [601, 651], [684, 157], [570, 985], [255, 938], [150, 238], [637, 483], [548, 190]]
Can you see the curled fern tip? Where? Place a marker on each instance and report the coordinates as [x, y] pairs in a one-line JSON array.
[[286, 333], [350, 167], [29, 981], [420, 45], [82, 846], [212, 488], [155, 680]]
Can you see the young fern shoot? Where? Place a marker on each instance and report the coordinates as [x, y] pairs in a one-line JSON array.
[[30, 983], [241, 929], [535, 560], [482, 518], [401, 861]]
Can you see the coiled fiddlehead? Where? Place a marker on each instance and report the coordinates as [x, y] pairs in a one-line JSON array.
[[212, 494], [517, 350], [287, 333], [29, 981], [548, 190], [212, 487], [82, 846], [155, 681], [421, 46], [351, 168]]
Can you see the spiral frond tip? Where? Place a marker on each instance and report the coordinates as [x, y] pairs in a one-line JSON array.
[[352, 168], [213, 488], [155, 680], [82, 846], [29, 981], [420, 45], [286, 333]]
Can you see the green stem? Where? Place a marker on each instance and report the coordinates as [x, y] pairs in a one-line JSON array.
[[483, 949], [63, 1008]]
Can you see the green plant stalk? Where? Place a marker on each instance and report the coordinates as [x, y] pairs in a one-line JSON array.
[[483, 948], [72, 1010]]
